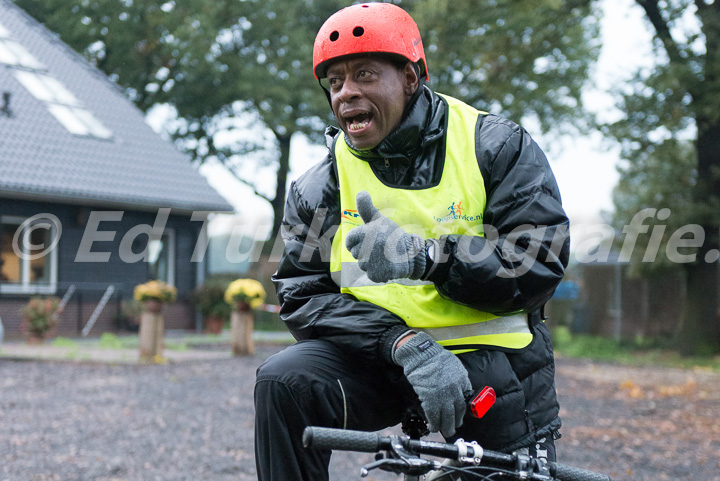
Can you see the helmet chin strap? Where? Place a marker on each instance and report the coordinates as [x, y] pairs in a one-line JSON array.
[[327, 93]]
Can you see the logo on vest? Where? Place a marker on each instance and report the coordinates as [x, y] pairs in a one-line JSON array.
[[351, 215], [457, 213]]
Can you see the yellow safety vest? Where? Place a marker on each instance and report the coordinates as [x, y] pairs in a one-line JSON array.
[[454, 206]]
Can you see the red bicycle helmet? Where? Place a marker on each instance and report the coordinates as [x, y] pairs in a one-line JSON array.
[[368, 28]]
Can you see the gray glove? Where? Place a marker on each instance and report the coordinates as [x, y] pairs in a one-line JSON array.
[[438, 378], [384, 250]]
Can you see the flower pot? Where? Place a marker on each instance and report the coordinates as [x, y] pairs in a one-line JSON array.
[[243, 306], [214, 324], [35, 338], [154, 306]]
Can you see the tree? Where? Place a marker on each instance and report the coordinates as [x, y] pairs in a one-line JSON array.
[[670, 139], [216, 62], [516, 58]]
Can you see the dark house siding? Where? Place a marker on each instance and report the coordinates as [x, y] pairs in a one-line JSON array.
[[57, 169], [92, 278]]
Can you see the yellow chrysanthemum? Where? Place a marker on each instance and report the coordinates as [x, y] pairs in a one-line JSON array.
[[155, 290], [245, 290]]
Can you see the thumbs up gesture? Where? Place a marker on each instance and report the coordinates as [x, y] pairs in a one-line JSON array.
[[384, 250]]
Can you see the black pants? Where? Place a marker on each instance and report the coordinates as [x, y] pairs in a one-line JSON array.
[[314, 383]]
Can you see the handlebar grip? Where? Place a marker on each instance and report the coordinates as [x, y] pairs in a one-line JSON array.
[[342, 439], [570, 473]]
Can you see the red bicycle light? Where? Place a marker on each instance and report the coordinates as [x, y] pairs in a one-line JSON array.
[[482, 402]]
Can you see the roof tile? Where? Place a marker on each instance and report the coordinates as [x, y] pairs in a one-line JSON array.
[[39, 156]]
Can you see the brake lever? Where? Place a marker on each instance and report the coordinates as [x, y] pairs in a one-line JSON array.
[[400, 461], [412, 466], [384, 464]]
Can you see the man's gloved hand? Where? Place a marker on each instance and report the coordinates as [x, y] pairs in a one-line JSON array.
[[384, 250], [438, 378]]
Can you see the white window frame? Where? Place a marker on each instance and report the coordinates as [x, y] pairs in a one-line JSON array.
[[15, 54], [170, 234], [4, 32], [25, 286], [62, 104]]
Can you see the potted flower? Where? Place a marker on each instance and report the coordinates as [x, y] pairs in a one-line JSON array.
[[245, 295], [209, 299], [152, 325], [154, 294], [39, 316]]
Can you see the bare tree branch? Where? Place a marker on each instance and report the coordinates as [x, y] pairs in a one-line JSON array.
[[663, 31], [246, 182], [220, 155]]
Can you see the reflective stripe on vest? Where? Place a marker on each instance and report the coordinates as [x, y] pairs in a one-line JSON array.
[[454, 206]]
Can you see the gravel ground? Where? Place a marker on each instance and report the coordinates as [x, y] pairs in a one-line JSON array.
[[194, 421]]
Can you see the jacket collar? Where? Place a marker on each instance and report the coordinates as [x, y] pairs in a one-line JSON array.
[[422, 125]]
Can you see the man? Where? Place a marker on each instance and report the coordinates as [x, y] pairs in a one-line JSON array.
[[418, 255]]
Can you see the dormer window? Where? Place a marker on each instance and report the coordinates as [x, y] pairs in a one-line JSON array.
[[58, 100], [12, 53], [62, 104]]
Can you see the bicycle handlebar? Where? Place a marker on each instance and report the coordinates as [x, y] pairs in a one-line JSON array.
[[563, 472], [341, 439], [368, 442]]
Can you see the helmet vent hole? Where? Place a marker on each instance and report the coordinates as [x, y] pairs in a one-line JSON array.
[[334, 36], [358, 31]]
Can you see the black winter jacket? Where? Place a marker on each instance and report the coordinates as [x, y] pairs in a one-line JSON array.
[[523, 214], [522, 197]]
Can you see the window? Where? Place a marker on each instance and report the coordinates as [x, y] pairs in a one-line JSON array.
[[12, 53], [161, 258], [28, 254], [4, 31], [46, 88], [9, 260], [62, 104]]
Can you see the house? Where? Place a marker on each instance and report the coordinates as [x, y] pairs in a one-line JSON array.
[[92, 200]]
